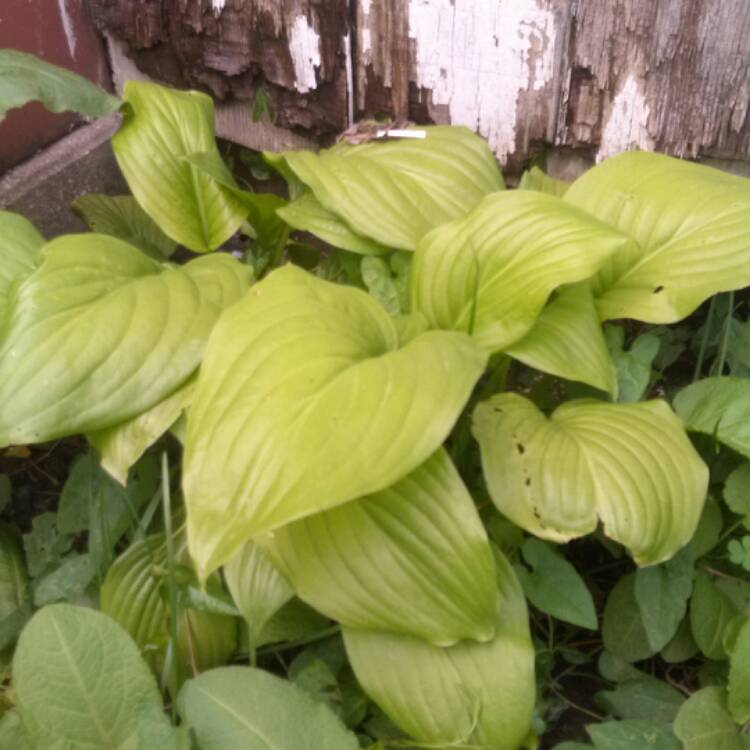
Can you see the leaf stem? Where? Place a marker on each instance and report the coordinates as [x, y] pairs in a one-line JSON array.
[[704, 341], [725, 336], [171, 583]]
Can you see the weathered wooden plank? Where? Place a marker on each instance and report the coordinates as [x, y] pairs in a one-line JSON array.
[[295, 49], [597, 76]]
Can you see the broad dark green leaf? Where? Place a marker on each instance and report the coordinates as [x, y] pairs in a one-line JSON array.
[[662, 592], [554, 586], [711, 611], [120, 216], [623, 631], [718, 406], [417, 547], [691, 226], [642, 698], [241, 708], [634, 734], [682, 646], [302, 385], [476, 693], [629, 465], [100, 332], [703, 722], [20, 245], [634, 365], [79, 679], [66, 583], [567, 341], [161, 127], [259, 590], [25, 78], [92, 501], [739, 675], [44, 545], [491, 272], [737, 490], [395, 192]]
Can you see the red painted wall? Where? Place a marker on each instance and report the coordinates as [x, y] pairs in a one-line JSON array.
[[60, 32]]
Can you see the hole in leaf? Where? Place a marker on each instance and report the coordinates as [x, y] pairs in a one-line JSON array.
[[521, 449], [658, 289]]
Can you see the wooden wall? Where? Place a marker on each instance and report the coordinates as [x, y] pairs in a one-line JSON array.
[[589, 77]]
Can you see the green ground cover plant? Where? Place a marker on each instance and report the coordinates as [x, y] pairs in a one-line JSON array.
[[403, 459]]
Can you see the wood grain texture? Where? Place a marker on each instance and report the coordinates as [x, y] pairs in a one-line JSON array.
[[594, 76]]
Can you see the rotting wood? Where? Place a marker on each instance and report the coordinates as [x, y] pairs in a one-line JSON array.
[[597, 76]]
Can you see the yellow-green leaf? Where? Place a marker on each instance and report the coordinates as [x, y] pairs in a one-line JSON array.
[[480, 694], [100, 332], [567, 341], [629, 465], [417, 546], [491, 272], [395, 192], [305, 400], [691, 226], [162, 126]]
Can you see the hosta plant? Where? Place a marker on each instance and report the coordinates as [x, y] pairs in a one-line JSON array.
[[363, 439]]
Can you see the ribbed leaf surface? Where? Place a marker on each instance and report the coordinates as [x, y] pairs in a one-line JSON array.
[[100, 332], [20, 245], [395, 192], [161, 127], [630, 465], [477, 693], [417, 547], [491, 272], [305, 401], [567, 341], [691, 226]]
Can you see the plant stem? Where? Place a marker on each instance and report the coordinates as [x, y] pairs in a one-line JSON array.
[[704, 341], [725, 336], [171, 585]]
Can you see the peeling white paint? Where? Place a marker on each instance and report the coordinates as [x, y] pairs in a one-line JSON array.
[[304, 46], [627, 124], [68, 27], [365, 40], [477, 56], [218, 6]]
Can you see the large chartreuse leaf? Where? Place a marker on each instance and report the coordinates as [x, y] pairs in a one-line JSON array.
[[121, 216], [78, 679], [396, 191], [26, 78], [629, 465], [417, 546], [133, 595], [100, 332], [720, 407], [703, 722], [308, 214], [567, 341], [121, 445], [259, 590], [691, 226], [478, 693], [305, 400], [536, 179], [270, 231], [491, 272], [241, 708], [161, 127], [20, 245]]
